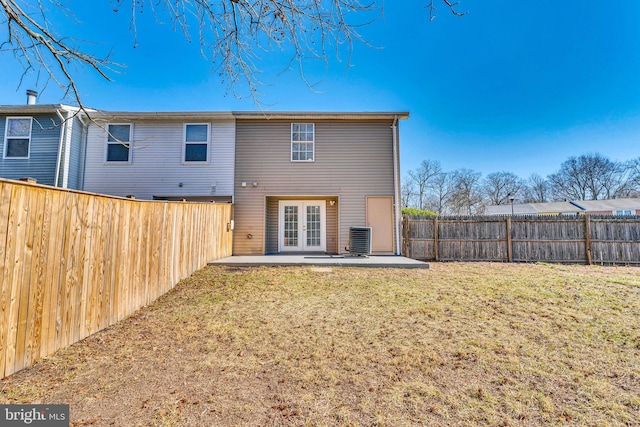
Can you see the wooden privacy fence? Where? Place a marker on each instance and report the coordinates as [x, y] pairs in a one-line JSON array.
[[576, 239], [73, 263]]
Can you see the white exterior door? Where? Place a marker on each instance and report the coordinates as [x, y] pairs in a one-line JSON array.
[[302, 226]]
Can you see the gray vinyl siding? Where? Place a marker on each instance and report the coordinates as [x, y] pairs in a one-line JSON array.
[[271, 223], [71, 154], [353, 159], [156, 167], [76, 155], [43, 150], [332, 228]]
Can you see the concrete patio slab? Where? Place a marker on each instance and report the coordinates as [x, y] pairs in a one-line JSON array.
[[321, 260]]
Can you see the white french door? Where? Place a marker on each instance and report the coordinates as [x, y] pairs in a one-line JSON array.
[[302, 226]]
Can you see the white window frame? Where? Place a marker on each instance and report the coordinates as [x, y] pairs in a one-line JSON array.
[[7, 137], [624, 212], [185, 143], [107, 143], [312, 142]]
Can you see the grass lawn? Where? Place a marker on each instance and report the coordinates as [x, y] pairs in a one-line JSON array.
[[458, 344]]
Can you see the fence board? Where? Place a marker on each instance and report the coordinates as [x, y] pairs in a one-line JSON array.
[[606, 240], [73, 263], [16, 235], [32, 262]]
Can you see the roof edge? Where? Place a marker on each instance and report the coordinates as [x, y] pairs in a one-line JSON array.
[[38, 108], [335, 115], [151, 115]]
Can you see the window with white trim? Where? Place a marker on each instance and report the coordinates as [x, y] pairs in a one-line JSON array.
[[17, 137], [302, 142], [196, 143], [119, 143], [624, 212]]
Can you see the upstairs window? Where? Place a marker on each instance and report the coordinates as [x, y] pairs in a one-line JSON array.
[[118, 143], [302, 142], [196, 143], [17, 137]]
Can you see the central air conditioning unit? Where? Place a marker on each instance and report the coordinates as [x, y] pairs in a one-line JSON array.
[[360, 240]]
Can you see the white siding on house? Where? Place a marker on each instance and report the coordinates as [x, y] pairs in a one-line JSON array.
[[156, 167]]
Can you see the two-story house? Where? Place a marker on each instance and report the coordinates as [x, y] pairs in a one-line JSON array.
[[303, 179]]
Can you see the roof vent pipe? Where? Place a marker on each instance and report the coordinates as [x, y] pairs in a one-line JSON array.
[[31, 97]]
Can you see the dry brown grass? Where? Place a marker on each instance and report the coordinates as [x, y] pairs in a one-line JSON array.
[[458, 344]]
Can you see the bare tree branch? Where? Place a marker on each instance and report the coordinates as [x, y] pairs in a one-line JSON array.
[[451, 5], [234, 35], [38, 48]]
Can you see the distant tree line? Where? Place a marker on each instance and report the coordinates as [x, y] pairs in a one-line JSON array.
[[467, 192]]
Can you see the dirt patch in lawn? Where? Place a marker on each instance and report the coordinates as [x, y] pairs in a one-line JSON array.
[[458, 344]]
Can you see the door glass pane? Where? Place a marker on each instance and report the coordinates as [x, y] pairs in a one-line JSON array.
[[291, 226], [313, 225]]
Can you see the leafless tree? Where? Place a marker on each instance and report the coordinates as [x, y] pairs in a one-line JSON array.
[[499, 186], [536, 190], [233, 34], [422, 177], [589, 177], [633, 170], [408, 193], [440, 191], [466, 198]]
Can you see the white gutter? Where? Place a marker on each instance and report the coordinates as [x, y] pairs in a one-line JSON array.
[[55, 184], [83, 150], [396, 184]]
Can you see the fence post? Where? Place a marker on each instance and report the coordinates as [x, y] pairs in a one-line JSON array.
[[509, 243], [435, 238], [587, 237], [405, 234]]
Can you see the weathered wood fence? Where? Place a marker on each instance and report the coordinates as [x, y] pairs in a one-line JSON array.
[[74, 263], [577, 239]]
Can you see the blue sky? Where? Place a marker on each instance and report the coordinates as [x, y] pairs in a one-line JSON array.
[[518, 89]]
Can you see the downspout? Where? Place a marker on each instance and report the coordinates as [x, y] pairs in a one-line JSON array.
[[66, 160], [83, 151], [396, 183], [60, 142]]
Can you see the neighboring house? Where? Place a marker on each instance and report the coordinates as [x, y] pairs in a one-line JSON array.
[[508, 209], [610, 207], [303, 179], [42, 142], [579, 207], [161, 156]]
